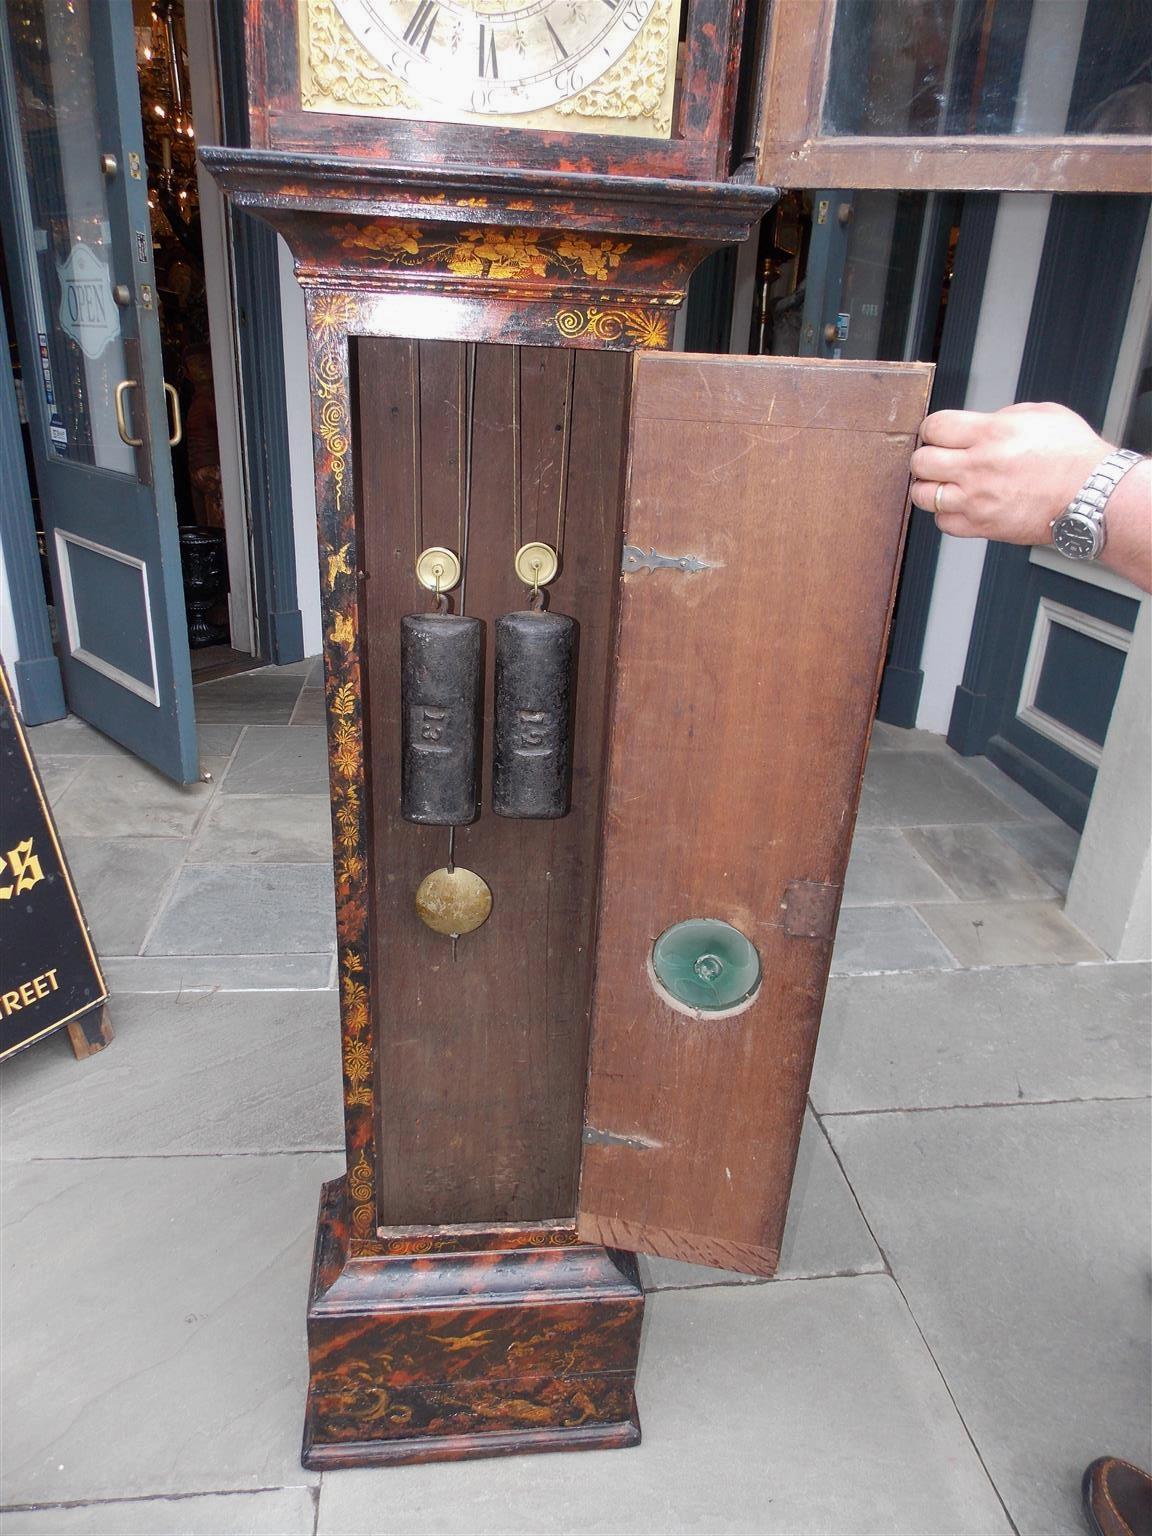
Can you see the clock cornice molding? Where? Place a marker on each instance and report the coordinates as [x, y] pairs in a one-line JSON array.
[[608, 256], [271, 180]]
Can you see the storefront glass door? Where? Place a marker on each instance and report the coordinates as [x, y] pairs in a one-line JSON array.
[[79, 255]]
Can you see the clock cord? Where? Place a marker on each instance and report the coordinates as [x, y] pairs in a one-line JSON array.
[[417, 475], [565, 454]]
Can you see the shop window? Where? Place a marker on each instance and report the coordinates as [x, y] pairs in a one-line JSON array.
[[1005, 94]]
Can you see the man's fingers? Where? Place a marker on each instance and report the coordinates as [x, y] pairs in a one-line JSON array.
[[953, 429], [947, 508], [924, 494], [938, 464]]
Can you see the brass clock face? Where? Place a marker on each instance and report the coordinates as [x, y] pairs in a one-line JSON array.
[[584, 66]]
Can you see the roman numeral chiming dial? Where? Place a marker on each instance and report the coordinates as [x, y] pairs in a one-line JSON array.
[[501, 59]]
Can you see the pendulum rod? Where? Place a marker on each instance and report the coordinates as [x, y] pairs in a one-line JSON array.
[[467, 418]]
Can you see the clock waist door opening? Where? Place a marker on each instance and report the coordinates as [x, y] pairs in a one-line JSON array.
[[482, 1056]]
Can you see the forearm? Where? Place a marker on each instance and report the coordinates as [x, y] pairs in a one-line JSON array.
[[1128, 547]]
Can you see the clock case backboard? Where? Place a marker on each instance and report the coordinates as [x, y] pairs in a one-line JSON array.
[[520, 1124]]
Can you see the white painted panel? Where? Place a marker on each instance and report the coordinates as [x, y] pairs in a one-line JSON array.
[[1013, 264], [218, 283], [1049, 613], [75, 640], [9, 643], [297, 379]]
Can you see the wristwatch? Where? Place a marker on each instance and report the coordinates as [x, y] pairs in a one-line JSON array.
[[1079, 530]]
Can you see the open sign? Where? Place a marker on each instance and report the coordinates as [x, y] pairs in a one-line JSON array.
[[87, 312]]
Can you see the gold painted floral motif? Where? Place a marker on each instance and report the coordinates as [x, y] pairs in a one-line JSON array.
[[639, 85], [488, 251], [499, 253], [332, 417], [360, 1188], [344, 630], [344, 698], [344, 748], [598, 258], [336, 72], [641, 327], [357, 1062]]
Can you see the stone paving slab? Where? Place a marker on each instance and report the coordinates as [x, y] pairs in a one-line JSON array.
[[806, 1407], [243, 1071], [279, 759], [262, 829], [217, 740], [219, 973], [926, 789], [977, 864], [70, 735], [122, 883], [1050, 848], [1006, 790], [275, 1512], [825, 1233], [247, 909], [56, 773], [252, 698], [1020, 1239], [1009, 933], [309, 708], [154, 1330], [885, 870], [873, 939], [1026, 1033], [121, 797]]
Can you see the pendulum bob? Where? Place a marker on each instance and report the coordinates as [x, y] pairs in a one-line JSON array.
[[532, 734], [440, 672]]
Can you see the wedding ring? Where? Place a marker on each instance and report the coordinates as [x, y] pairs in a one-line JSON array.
[[938, 498]]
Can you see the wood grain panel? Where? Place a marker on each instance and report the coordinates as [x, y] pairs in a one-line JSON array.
[[482, 1060], [744, 694]]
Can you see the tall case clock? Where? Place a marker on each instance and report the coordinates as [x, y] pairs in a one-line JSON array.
[[603, 626]]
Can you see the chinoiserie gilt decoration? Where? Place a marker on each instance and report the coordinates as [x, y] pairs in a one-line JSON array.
[[580, 970], [533, 64]]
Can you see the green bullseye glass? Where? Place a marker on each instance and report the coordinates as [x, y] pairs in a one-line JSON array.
[[706, 964]]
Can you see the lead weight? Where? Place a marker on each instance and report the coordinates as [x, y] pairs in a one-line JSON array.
[[440, 711], [532, 735]]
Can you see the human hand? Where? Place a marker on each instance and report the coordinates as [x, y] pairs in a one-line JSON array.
[[1003, 474]]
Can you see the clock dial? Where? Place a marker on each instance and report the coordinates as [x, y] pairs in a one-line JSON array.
[[577, 65]]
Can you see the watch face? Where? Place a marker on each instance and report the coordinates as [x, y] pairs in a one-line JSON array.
[[1076, 536], [576, 65]]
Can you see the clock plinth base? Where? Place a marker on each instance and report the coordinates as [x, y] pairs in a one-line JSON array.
[[447, 1356]]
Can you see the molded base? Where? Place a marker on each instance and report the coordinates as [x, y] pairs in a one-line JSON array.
[[521, 1442], [446, 1355]]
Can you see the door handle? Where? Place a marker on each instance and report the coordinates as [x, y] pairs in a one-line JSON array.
[[121, 419], [177, 431]]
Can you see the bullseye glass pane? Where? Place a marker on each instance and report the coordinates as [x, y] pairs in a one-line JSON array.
[[707, 964]]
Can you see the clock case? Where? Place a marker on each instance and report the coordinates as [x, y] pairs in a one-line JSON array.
[[522, 1121]]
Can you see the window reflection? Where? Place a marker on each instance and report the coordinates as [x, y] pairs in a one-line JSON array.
[[943, 67]]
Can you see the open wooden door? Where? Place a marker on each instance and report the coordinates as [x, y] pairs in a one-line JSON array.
[[745, 686]]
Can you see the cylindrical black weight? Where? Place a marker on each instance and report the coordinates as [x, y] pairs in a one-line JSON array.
[[440, 712], [532, 735]]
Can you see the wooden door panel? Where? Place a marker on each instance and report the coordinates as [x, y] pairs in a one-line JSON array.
[[744, 694]]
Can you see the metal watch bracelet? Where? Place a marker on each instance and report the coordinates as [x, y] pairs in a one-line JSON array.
[[1079, 531]]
